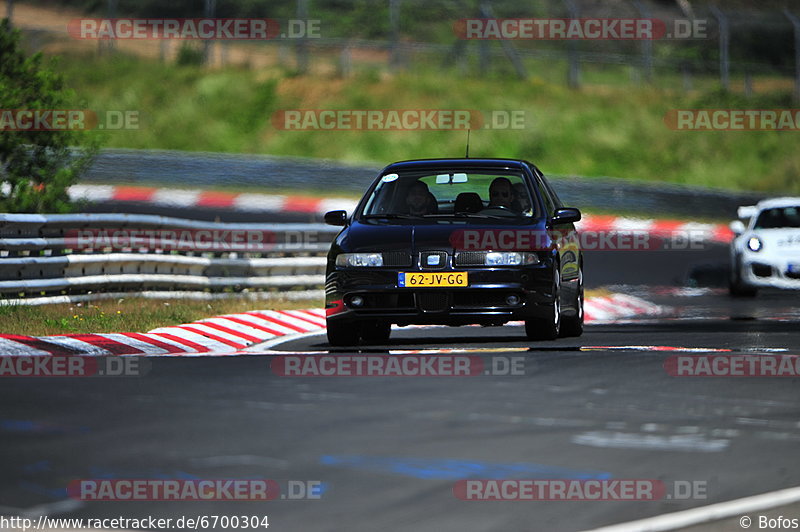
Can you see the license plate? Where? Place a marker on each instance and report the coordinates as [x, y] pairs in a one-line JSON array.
[[425, 280]]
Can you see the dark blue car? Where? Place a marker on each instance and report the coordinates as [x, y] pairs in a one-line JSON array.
[[455, 242]]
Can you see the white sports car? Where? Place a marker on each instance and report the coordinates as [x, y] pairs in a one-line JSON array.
[[766, 251]]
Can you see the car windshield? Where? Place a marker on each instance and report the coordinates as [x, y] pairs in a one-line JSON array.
[[779, 217], [443, 194]]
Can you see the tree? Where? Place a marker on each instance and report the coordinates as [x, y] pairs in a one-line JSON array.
[[36, 167]]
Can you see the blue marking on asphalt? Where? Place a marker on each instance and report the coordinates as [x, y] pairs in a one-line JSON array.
[[451, 469], [319, 489], [103, 473], [36, 467], [23, 425], [55, 493]]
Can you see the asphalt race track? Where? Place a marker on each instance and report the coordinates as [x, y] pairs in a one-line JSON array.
[[387, 451]]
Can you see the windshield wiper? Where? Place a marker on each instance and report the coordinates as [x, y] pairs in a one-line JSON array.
[[469, 215], [389, 216]]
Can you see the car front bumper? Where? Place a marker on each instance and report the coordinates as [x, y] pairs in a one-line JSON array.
[[494, 296], [784, 273]]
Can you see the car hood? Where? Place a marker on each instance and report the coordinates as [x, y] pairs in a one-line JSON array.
[[362, 237]]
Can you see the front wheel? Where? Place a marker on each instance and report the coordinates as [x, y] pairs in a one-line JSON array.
[[550, 327], [342, 333], [737, 287], [572, 326]]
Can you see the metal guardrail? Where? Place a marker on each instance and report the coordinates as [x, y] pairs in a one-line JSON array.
[[209, 170], [51, 256]]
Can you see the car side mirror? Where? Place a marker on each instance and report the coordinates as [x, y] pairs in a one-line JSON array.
[[737, 226], [336, 218], [566, 215]]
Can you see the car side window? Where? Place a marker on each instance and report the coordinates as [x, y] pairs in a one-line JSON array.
[[556, 200], [549, 204]]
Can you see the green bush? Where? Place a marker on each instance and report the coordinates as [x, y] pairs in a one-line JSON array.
[[36, 167]]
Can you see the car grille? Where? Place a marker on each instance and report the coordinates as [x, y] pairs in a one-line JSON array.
[[483, 299], [762, 270], [385, 300], [396, 259], [470, 258], [432, 301], [792, 275]]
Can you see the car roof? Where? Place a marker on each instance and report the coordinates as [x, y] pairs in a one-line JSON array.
[[458, 163], [778, 202]]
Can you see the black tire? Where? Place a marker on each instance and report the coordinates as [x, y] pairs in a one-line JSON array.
[[548, 328], [572, 326], [342, 333], [376, 332], [737, 287]]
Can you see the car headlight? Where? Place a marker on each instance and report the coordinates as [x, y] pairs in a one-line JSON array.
[[510, 258], [754, 244], [359, 260]]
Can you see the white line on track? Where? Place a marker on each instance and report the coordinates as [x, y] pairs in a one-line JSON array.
[[706, 514]]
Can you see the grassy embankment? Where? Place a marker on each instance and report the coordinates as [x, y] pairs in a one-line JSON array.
[[597, 131], [126, 315]]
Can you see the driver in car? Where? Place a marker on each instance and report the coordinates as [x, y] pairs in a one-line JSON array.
[[501, 193]]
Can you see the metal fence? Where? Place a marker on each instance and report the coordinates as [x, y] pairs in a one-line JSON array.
[[209, 170], [737, 48], [48, 256]]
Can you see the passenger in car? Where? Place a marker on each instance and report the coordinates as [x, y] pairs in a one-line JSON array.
[[501, 193], [522, 201], [420, 201]]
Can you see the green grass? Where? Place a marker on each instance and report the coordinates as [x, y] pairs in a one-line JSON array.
[[612, 129], [126, 315]]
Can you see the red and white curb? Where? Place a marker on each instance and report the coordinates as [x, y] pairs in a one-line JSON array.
[[219, 335], [171, 197], [229, 334]]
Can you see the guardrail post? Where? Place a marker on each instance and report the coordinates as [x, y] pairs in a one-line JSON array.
[[724, 47], [211, 7], [394, 35], [796, 24], [301, 48], [483, 46], [573, 72], [108, 44], [508, 48], [647, 45]]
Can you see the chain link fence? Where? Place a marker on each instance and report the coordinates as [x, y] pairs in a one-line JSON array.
[[739, 47]]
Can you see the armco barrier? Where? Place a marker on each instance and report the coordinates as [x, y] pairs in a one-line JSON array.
[[210, 170], [80, 257], [52, 256]]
